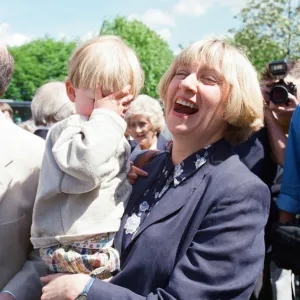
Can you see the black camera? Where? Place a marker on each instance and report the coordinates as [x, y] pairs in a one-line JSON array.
[[279, 90]]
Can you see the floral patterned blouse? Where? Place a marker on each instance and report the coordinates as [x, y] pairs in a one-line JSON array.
[[170, 177]]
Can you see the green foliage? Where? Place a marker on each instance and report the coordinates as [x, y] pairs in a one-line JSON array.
[[36, 63], [46, 60], [153, 52], [271, 30]]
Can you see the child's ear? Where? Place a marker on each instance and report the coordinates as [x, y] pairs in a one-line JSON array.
[[70, 91]]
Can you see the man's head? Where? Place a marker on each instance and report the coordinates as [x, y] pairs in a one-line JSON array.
[[51, 104], [6, 68]]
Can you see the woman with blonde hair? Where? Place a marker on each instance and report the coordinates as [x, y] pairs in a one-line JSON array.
[[194, 228]]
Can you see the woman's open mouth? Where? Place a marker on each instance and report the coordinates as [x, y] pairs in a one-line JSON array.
[[140, 137], [185, 107]]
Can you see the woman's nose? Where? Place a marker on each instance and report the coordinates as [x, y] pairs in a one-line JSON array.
[[135, 129], [189, 83], [138, 129]]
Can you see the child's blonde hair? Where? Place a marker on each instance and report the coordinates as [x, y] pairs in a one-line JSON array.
[[105, 62]]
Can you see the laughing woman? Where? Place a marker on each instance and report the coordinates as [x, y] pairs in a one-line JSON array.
[[194, 228]]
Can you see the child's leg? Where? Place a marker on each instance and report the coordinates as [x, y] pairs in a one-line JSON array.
[[94, 257], [64, 259], [105, 262]]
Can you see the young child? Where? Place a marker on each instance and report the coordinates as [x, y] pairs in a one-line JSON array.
[[83, 187]]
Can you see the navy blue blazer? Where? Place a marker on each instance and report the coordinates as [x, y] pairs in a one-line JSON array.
[[203, 240], [255, 153]]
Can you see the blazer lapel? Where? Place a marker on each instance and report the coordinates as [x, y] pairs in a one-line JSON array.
[[172, 202], [143, 183]]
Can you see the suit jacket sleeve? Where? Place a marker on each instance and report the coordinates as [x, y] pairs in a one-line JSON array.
[[225, 256], [289, 198], [26, 284], [83, 150]]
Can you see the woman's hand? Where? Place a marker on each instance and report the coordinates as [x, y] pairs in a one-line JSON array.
[[134, 172], [63, 286], [118, 102]]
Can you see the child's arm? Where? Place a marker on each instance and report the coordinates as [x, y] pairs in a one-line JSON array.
[[87, 152]]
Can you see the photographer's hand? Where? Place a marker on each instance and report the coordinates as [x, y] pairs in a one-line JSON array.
[[277, 137], [282, 110], [285, 110]]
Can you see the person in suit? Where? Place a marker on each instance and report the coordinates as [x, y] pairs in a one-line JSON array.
[[20, 159], [263, 153], [194, 227], [145, 122]]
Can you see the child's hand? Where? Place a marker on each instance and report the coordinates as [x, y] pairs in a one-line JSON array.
[[118, 101], [134, 172]]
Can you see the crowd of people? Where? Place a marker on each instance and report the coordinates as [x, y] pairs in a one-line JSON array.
[[115, 195]]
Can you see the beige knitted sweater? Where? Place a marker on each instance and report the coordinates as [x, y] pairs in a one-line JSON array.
[[83, 187]]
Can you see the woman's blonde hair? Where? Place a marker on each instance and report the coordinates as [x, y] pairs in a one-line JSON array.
[[245, 104], [106, 62], [148, 107]]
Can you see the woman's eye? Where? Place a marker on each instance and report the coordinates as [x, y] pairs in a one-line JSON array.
[[208, 79], [181, 73]]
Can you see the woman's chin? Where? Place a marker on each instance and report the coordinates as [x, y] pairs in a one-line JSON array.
[[177, 129]]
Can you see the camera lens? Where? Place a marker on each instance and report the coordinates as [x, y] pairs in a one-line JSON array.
[[279, 94]]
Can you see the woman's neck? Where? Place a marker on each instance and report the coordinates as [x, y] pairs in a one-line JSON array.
[[184, 146], [149, 144]]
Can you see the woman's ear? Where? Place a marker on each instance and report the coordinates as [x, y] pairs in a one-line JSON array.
[[70, 91]]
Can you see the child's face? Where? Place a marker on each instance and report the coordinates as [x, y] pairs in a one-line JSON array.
[[84, 101], [83, 98]]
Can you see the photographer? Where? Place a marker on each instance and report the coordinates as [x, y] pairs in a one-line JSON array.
[[287, 151], [280, 83], [263, 153], [279, 112]]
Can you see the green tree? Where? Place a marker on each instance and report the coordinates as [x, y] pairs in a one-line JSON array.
[[154, 53], [36, 63], [270, 30]]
